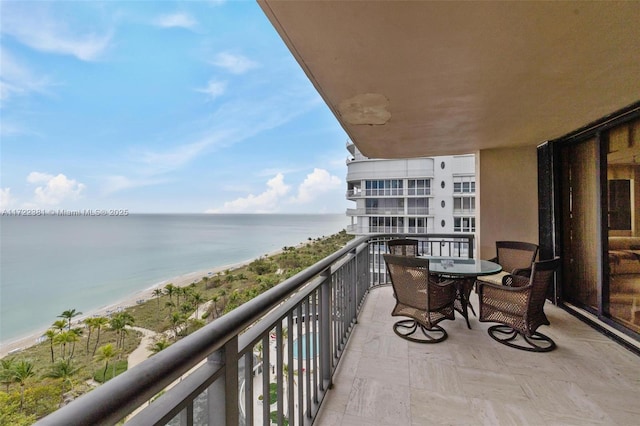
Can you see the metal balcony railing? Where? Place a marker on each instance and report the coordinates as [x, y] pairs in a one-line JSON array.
[[268, 361], [464, 211], [380, 211]]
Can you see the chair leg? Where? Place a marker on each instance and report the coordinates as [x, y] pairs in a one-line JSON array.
[[506, 335], [407, 328]]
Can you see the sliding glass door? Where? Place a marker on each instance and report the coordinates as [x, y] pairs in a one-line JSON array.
[[623, 224], [580, 223]]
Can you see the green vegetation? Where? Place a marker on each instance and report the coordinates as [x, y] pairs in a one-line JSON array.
[[231, 288], [43, 377], [71, 361]]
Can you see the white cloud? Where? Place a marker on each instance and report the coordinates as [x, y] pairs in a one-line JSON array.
[[235, 64], [266, 202], [316, 183], [55, 189], [6, 199], [157, 162], [117, 183], [311, 192], [36, 28], [214, 88], [239, 119], [231, 123], [176, 20], [16, 79]]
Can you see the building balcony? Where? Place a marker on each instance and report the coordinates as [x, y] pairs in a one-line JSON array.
[[411, 211], [417, 230], [354, 193], [418, 211], [464, 212], [389, 192], [321, 347]]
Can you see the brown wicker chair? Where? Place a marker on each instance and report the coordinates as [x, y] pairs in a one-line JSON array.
[[403, 247], [420, 297], [515, 257], [518, 306]]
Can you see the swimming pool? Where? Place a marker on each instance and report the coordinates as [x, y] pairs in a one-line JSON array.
[[312, 346]]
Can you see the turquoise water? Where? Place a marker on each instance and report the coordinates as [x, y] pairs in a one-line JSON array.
[[312, 346], [53, 263]]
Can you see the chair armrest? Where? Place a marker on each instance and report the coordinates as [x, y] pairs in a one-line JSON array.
[[515, 281], [493, 286], [443, 283], [493, 259], [525, 272], [437, 280]]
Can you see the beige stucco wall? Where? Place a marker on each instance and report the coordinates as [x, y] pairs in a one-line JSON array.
[[507, 196]]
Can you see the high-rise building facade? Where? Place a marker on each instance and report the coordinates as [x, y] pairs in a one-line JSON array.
[[411, 196]]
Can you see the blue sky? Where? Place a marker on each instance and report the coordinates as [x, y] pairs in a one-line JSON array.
[[160, 107]]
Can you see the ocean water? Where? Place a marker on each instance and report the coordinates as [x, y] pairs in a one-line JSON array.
[[53, 263]]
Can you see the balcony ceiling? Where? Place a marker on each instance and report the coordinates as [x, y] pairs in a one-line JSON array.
[[408, 79]]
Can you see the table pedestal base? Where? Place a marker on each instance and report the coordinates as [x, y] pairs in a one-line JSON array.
[[463, 291]]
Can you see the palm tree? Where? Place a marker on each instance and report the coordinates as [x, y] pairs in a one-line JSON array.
[[59, 325], [178, 292], [50, 335], [106, 353], [68, 315], [176, 321], [64, 337], [215, 305], [77, 332], [170, 305], [158, 346], [197, 300], [185, 309], [63, 369], [100, 322], [119, 323], [7, 374], [129, 320], [90, 323], [170, 290], [23, 372], [157, 293]]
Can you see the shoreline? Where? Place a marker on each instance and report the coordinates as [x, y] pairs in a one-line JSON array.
[[15, 346]]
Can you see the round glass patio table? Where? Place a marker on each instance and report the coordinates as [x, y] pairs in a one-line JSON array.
[[464, 272], [461, 268]]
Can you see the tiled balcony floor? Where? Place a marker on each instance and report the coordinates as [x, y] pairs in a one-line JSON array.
[[470, 379]]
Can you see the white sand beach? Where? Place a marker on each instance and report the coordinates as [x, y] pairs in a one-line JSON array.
[[15, 346]]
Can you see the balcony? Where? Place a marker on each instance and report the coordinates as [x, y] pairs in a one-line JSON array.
[[319, 348], [471, 379], [465, 212], [354, 193], [380, 211]]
